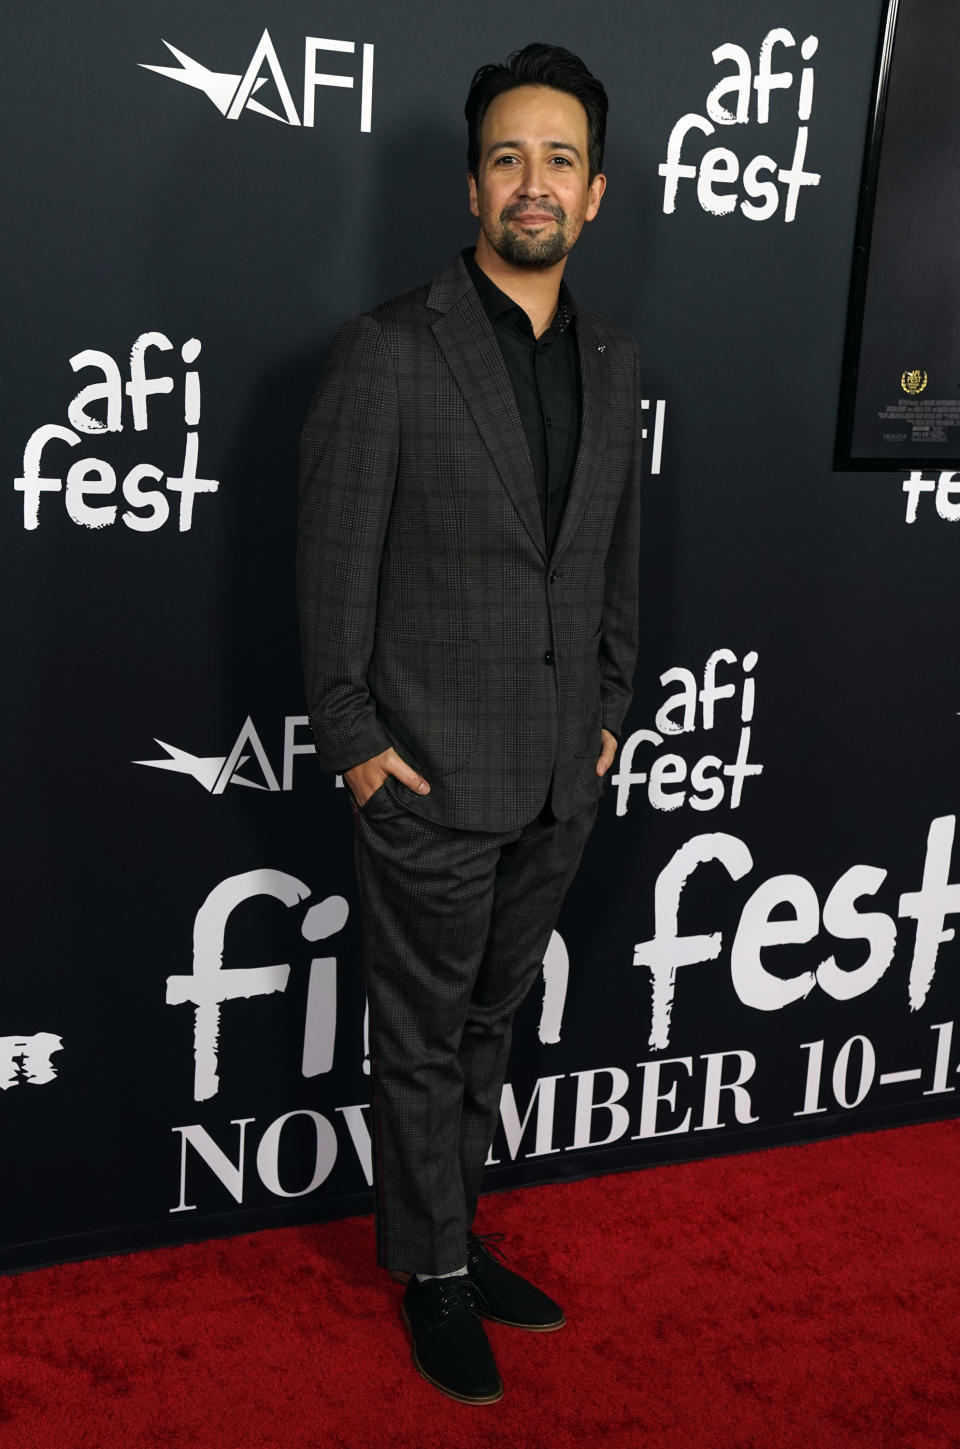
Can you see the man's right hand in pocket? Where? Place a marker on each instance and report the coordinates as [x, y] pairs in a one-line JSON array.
[[365, 779]]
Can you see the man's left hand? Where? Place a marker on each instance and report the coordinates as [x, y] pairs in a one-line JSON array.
[[607, 753]]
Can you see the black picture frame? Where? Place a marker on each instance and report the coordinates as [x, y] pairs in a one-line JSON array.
[[899, 405]]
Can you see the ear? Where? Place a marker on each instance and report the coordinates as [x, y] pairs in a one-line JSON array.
[[594, 192], [472, 193]]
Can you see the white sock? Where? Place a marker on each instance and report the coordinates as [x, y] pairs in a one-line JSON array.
[[457, 1273]]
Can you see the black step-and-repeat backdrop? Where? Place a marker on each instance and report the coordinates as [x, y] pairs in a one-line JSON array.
[[760, 947]]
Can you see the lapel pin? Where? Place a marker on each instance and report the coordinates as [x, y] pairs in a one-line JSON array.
[[601, 347]]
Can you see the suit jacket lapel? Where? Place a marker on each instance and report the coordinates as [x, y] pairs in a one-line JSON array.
[[468, 343], [593, 432]]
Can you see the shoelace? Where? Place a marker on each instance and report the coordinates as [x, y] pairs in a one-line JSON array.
[[493, 1239], [457, 1293]]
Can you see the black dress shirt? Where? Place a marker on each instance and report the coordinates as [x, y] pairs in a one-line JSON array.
[[545, 373]]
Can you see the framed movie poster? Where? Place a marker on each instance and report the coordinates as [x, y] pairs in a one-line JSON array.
[[900, 388]]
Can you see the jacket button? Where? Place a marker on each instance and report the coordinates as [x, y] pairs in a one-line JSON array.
[[549, 657], [554, 576]]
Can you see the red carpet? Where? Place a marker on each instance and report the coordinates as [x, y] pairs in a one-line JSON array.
[[804, 1296]]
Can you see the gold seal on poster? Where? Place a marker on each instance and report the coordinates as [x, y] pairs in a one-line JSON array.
[[913, 382]]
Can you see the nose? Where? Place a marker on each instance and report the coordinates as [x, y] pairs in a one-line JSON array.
[[535, 179]]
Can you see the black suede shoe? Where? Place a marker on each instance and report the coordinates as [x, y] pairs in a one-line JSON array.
[[450, 1347], [505, 1297]]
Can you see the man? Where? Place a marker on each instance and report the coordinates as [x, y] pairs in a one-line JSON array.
[[468, 595]]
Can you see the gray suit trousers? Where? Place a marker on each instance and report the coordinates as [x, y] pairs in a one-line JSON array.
[[455, 926]]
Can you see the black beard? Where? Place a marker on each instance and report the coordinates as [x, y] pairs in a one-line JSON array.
[[529, 251]]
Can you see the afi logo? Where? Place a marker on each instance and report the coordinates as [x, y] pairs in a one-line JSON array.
[[88, 479], [759, 185], [216, 772], [669, 782], [233, 94]]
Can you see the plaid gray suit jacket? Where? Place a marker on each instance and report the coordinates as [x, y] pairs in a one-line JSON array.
[[432, 618]]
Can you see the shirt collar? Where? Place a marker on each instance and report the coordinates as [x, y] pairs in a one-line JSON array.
[[497, 304]]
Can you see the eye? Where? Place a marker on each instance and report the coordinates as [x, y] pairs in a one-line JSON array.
[[505, 161], [562, 160]]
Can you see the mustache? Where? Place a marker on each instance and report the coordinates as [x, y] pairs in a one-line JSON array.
[[520, 208]]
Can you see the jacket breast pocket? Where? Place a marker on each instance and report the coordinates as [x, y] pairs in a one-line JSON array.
[[426, 693]]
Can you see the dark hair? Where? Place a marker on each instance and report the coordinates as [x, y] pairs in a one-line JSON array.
[[538, 65]]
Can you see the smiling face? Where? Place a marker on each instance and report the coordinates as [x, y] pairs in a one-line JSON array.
[[532, 194]]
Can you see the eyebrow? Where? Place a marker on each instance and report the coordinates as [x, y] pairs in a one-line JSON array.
[[547, 146]]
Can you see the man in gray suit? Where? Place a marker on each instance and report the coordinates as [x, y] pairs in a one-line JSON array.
[[468, 550]]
